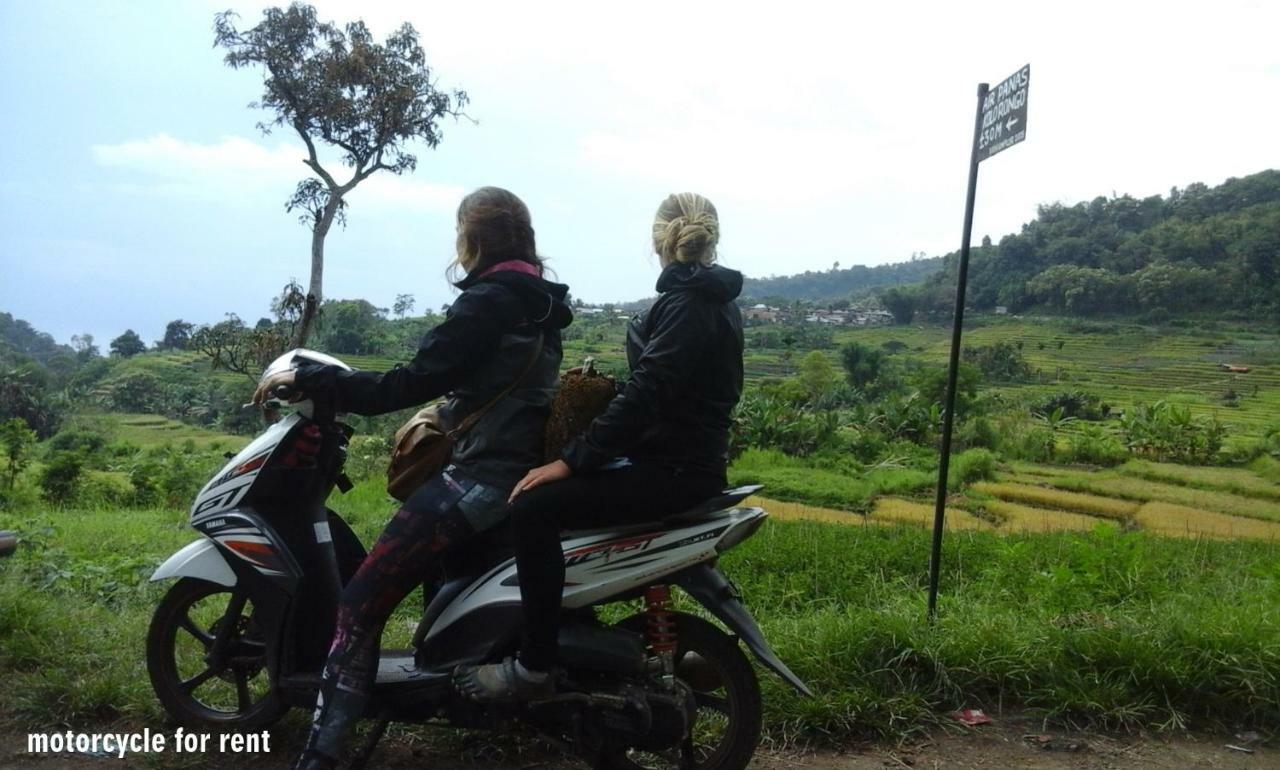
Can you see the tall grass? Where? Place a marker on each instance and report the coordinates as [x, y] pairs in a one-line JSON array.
[[1101, 627]]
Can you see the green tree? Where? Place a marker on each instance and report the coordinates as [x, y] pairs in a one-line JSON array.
[[128, 344], [136, 392], [17, 441], [1002, 362], [352, 326], [25, 394], [177, 335], [403, 305], [817, 375], [901, 302], [862, 364], [84, 347], [340, 87], [1054, 422]]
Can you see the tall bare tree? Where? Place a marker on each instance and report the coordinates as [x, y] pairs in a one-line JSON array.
[[339, 87]]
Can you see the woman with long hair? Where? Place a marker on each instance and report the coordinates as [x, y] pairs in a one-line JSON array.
[[503, 328], [661, 446]]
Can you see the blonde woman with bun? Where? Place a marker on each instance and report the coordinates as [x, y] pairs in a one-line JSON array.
[[660, 447]]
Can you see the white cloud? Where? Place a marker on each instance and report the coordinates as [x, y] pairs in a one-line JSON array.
[[237, 167]]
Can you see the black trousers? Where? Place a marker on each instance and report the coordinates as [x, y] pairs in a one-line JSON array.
[[429, 524], [628, 495]]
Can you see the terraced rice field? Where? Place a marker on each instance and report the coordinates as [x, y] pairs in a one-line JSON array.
[[1192, 502], [1162, 498], [150, 430], [1015, 517], [1123, 364], [887, 511]]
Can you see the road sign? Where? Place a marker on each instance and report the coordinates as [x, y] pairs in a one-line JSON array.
[[999, 122], [1004, 115]]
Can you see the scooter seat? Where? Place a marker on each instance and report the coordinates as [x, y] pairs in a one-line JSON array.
[[709, 508]]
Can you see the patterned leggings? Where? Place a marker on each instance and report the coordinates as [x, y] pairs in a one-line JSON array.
[[428, 524]]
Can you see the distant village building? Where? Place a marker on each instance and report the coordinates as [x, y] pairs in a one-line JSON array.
[[1002, 310], [767, 314], [761, 313]]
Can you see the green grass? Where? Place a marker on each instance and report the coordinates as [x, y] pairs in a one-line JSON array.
[[787, 478], [1101, 628]]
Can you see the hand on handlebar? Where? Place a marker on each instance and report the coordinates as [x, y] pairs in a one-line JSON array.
[[281, 385]]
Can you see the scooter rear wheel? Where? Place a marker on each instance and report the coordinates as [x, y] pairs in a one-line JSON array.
[[725, 687], [232, 690]]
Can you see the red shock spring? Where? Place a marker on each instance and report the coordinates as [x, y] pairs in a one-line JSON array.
[[661, 626]]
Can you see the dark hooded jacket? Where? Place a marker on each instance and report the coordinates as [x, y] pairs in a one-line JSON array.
[[486, 341], [685, 355]]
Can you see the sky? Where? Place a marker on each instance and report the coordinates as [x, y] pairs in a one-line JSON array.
[[135, 188]]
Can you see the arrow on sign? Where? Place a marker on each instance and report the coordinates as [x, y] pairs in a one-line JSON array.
[[1010, 124]]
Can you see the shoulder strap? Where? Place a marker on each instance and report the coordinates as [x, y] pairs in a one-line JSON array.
[[471, 419]]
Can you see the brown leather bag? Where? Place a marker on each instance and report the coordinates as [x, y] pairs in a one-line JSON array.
[[424, 443], [582, 396]]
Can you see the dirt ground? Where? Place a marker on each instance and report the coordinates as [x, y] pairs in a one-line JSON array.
[[1010, 742]]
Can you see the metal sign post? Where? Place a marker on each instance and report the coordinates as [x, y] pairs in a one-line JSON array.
[[1001, 122]]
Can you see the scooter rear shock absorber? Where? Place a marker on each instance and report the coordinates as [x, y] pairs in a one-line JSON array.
[[660, 628]]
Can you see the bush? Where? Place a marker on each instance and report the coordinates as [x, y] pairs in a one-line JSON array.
[[978, 432], [102, 489], [768, 423], [1002, 362], [970, 466], [61, 476], [136, 392], [1094, 446], [367, 456], [1073, 403], [170, 475], [87, 442], [1168, 432], [911, 417], [1023, 442], [931, 382]]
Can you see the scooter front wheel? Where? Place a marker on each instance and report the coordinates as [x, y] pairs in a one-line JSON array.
[[207, 658]]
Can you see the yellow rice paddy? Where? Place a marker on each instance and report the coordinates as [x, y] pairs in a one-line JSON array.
[[888, 510], [1173, 520], [1058, 499], [898, 511], [1239, 480], [1025, 518], [801, 512]]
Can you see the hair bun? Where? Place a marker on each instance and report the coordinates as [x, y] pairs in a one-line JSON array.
[[686, 229]]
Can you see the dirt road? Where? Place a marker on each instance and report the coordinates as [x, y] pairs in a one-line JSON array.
[[1009, 743]]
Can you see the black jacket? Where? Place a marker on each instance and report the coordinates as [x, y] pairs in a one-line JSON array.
[[685, 355], [487, 339]]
